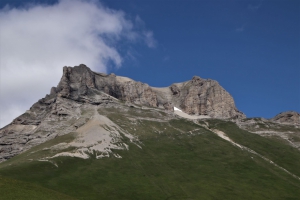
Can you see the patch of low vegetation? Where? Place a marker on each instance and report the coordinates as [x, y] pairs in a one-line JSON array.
[[286, 128], [257, 119], [261, 125], [87, 112], [11, 189], [295, 138], [133, 112]]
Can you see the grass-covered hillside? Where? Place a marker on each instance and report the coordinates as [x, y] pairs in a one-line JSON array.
[[178, 159]]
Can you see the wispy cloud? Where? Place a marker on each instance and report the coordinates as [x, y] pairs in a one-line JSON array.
[[254, 7], [240, 29], [38, 40], [147, 35], [149, 39], [166, 58]]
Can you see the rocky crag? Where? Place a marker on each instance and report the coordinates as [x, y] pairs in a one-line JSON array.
[[196, 97], [289, 117]]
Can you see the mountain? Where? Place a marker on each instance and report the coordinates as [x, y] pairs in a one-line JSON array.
[[99, 136], [80, 87]]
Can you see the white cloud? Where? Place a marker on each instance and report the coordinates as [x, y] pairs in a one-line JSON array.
[[37, 41]]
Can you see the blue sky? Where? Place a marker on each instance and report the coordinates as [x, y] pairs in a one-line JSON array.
[[252, 48]]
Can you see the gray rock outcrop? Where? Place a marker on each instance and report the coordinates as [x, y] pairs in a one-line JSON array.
[[289, 117], [196, 97], [199, 97]]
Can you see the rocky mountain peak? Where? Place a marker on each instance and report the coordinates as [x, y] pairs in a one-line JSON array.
[[288, 117], [196, 80], [197, 97], [78, 78]]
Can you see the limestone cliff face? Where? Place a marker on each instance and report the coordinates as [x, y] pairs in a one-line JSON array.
[[80, 81], [75, 82], [197, 96], [206, 97]]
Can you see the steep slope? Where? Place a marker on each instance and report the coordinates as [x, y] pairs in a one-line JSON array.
[[285, 126], [175, 158]]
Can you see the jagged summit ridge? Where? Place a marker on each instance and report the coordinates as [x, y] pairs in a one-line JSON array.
[[288, 117], [196, 97]]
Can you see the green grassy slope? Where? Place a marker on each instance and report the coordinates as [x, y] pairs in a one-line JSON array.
[[178, 160], [11, 189], [275, 149]]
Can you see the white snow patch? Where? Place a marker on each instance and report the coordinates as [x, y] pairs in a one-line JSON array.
[[177, 109], [180, 113]]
